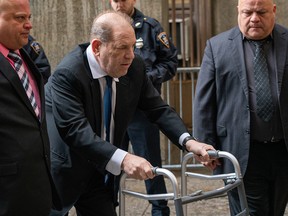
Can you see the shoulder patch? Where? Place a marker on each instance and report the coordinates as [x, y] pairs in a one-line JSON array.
[[36, 47], [163, 38]]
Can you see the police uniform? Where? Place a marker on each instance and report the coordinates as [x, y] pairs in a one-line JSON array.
[[160, 57], [37, 54], [154, 46]]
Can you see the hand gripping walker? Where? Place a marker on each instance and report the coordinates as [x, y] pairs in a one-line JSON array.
[[233, 180]]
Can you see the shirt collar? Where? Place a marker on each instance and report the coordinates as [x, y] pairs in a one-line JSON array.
[[96, 70], [270, 37], [6, 51]]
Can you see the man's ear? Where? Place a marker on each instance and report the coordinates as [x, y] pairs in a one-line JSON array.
[[96, 44]]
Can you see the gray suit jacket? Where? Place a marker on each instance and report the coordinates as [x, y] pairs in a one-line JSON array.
[[221, 107]]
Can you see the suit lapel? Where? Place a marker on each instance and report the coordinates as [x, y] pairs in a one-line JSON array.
[[236, 45], [11, 75], [96, 101], [39, 81], [280, 49], [121, 107]]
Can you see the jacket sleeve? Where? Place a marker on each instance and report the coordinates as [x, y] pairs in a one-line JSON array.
[[204, 104]]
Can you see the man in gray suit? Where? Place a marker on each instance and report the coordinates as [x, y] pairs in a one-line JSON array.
[[227, 109]]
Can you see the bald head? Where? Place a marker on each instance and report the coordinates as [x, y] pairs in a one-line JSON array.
[[112, 42], [15, 23], [247, 1], [256, 18], [106, 23]]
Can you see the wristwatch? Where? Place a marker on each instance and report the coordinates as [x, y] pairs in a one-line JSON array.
[[186, 139]]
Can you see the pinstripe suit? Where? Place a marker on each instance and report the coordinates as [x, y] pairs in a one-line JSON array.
[[221, 113]]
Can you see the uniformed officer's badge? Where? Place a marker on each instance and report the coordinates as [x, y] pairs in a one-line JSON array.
[[163, 38], [36, 46], [139, 43]]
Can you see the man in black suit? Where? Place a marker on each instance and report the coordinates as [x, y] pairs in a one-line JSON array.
[[26, 186], [227, 111], [83, 161]]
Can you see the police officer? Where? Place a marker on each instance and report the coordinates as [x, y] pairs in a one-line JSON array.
[[160, 56], [37, 54]]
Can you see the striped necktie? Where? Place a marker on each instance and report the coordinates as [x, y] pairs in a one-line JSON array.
[[22, 73]]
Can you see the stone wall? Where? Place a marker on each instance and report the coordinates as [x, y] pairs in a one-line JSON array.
[[225, 14], [59, 25]]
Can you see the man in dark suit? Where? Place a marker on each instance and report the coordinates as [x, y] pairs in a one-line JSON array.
[[227, 109], [84, 156], [26, 186], [160, 57]]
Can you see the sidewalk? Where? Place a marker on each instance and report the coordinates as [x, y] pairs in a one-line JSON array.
[[211, 207], [140, 207]]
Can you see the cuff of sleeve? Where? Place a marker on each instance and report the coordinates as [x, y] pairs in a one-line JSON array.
[[185, 140], [114, 164], [182, 137]]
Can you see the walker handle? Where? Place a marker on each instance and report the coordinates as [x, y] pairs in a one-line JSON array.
[[213, 153]]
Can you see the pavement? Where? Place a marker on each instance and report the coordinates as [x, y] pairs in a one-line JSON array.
[[211, 207]]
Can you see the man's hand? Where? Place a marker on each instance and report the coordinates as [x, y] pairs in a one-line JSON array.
[[200, 151], [137, 167], [212, 164]]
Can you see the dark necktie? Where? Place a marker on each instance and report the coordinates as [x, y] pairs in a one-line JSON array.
[[107, 106], [22, 73], [264, 101], [109, 178]]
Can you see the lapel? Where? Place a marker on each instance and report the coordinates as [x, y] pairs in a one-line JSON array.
[[96, 98], [238, 60], [39, 81], [122, 106], [280, 50], [96, 103], [11, 75]]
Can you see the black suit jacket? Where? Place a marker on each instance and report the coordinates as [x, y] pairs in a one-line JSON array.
[[25, 180], [74, 120]]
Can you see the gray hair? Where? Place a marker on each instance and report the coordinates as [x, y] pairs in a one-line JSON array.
[[104, 24]]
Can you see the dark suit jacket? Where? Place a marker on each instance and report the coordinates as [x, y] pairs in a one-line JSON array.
[[221, 106], [73, 102], [25, 180]]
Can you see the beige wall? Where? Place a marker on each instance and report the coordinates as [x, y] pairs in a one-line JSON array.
[[61, 24]]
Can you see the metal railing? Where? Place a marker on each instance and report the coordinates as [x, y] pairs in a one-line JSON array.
[[179, 93]]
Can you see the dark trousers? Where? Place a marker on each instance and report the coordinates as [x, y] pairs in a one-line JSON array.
[[96, 199], [265, 180], [145, 140]]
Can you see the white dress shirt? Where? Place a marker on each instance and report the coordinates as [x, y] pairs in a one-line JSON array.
[[114, 165]]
